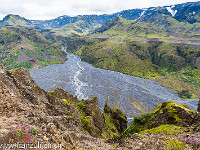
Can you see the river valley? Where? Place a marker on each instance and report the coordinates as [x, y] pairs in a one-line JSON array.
[[133, 95]]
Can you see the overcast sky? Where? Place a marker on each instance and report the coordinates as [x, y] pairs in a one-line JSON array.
[[50, 9]]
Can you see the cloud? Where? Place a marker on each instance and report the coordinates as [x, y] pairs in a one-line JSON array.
[[49, 9]]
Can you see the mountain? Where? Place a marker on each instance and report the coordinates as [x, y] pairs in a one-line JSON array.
[[188, 12], [55, 23], [16, 20], [85, 24], [163, 27]]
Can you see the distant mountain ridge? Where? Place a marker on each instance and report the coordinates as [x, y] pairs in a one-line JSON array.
[[186, 12]]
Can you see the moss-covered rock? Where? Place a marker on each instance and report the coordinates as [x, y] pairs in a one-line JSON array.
[[107, 124], [167, 113], [137, 125], [92, 118], [173, 113], [118, 118]]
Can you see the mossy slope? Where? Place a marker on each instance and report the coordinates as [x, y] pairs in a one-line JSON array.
[[168, 113], [107, 124]]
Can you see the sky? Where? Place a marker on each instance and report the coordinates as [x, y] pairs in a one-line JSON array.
[[50, 9]]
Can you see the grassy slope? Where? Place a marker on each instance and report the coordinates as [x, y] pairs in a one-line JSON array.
[[163, 28], [15, 20], [79, 28], [17, 40], [118, 56]]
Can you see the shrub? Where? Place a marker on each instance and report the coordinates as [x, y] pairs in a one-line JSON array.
[[137, 125], [141, 119]]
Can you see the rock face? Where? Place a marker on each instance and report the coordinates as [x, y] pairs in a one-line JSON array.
[[198, 109], [173, 59], [61, 116], [118, 118]]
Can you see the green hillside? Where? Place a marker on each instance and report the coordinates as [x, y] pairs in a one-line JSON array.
[[164, 28], [165, 50], [156, 45], [79, 28], [16, 20], [22, 47]]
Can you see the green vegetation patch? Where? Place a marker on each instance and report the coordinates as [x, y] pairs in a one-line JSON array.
[[112, 128], [51, 93], [17, 42], [137, 124], [26, 65], [167, 129], [85, 120]]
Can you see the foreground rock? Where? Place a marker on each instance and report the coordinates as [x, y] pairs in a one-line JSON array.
[[61, 117]]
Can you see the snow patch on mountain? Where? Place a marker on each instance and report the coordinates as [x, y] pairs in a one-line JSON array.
[[142, 13], [153, 8], [173, 12]]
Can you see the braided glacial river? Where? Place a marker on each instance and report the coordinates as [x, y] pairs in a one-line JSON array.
[[133, 95]]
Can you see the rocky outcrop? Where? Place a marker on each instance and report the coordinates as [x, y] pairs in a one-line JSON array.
[[177, 62], [167, 113], [22, 102], [118, 118], [61, 117]]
